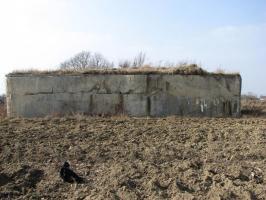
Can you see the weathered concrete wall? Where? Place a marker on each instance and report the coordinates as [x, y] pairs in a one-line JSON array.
[[134, 95]]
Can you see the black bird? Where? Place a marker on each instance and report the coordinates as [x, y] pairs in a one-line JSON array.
[[68, 175]]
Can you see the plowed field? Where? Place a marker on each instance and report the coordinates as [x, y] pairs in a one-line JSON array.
[[127, 158]]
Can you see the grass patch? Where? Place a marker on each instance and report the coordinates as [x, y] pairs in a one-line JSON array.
[[190, 69]]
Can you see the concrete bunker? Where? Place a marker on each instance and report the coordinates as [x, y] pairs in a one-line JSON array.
[[133, 94]]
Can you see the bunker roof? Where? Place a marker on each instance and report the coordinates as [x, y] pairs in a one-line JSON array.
[[192, 69]]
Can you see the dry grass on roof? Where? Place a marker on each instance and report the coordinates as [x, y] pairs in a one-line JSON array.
[[191, 69]]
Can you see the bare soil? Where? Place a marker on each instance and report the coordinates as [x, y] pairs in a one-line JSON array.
[[128, 158]]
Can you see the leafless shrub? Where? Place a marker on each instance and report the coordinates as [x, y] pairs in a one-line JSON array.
[[86, 60], [124, 64], [139, 60]]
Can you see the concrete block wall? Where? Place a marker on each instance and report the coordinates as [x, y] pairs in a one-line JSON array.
[[154, 95]]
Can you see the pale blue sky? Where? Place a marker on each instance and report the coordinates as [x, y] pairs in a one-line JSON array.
[[227, 34]]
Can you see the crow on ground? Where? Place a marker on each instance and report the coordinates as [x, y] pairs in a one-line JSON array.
[[69, 175]]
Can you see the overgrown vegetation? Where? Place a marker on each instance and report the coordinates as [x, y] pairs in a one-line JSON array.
[[253, 106], [86, 62], [2, 106], [189, 69]]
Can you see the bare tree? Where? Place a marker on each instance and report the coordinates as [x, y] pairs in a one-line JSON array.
[[85, 60], [88, 60], [139, 60], [99, 61]]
